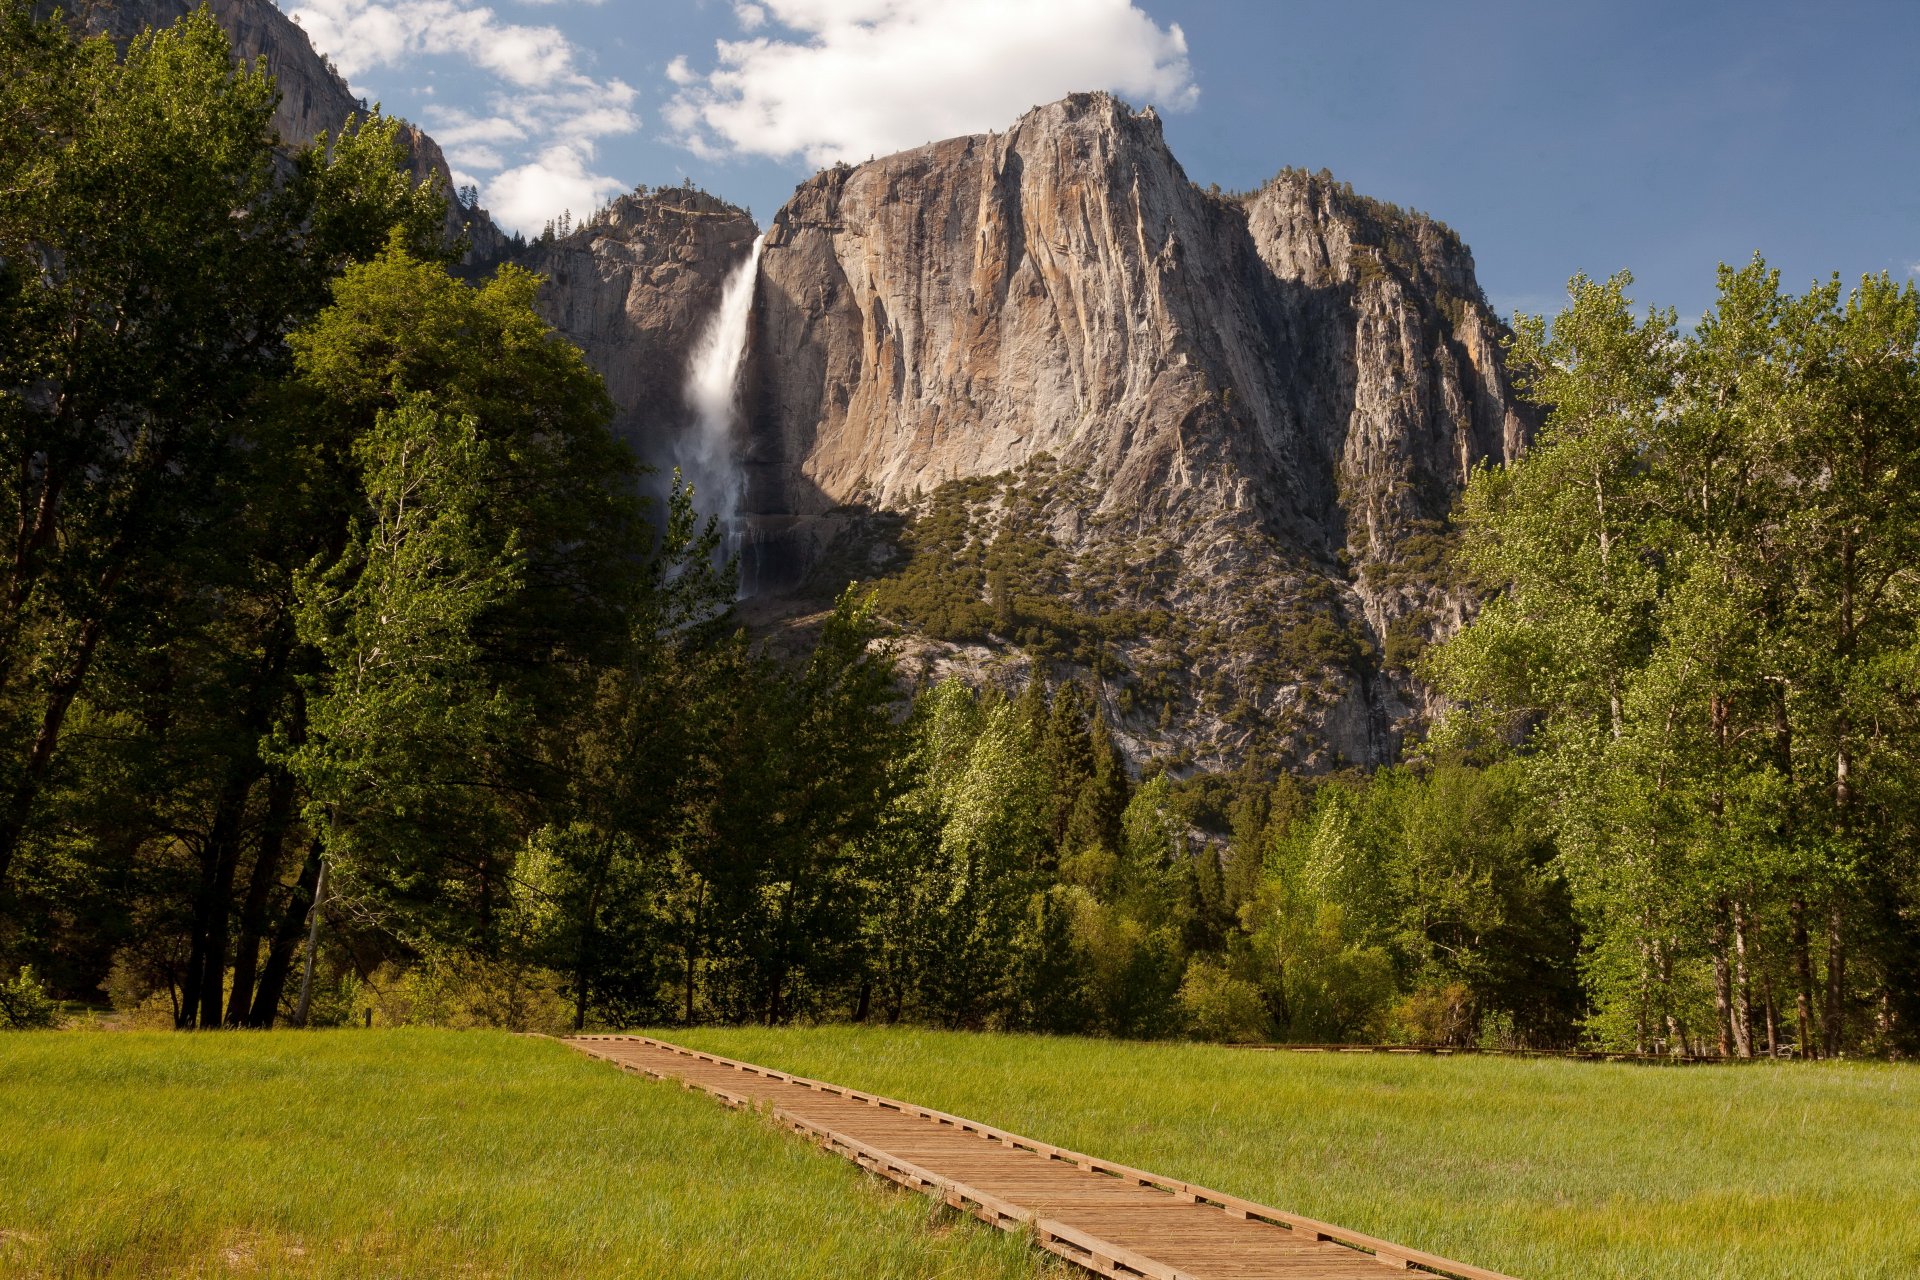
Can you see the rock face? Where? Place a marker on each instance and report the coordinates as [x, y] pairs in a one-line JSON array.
[[1062, 288], [1223, 409], [634, 286], [313, 96]]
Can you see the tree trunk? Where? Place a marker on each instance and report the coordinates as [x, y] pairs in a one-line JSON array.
[[1773, 1018], [1644, 1019], [1676, 1029], [187, 1007], [305, 1006], [286, 937], [776, 1012], [261, 882], [1722, 981], [1742, 985], [1803, 974], [61, 692], [583, 963], [220, 860], [1836, 1029], [693, 947]]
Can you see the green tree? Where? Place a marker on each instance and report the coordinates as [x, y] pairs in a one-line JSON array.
[[642, 772], [142, 345], [1702, 589], [404, 718]]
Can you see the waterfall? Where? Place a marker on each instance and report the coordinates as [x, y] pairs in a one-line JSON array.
[[706, 455]]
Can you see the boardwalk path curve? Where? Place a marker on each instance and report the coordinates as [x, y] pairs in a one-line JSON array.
[[1111, 1219]]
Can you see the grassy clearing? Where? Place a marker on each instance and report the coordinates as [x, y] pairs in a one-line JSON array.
[[1546, 1170], [424, 1154]]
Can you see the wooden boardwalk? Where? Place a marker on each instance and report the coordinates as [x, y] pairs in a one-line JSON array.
[[1110, 1219]]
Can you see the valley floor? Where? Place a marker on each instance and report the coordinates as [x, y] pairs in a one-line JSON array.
[[425, 1154], [422, 1153], [1546, 1170]]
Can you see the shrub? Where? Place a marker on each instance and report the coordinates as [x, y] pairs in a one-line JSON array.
[[341, 1002], [1219, 1006], [140, 1002], [26, 1004], [464, 991], [1437, 1015]]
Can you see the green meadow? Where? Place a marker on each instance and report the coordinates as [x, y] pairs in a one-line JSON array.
[[425, 1153], [406, 1154], [1546, 1170]]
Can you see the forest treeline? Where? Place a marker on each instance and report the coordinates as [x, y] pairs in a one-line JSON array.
[[1700, 639], [332, 610], [336, 631]]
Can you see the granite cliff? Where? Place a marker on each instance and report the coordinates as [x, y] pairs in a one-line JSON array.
[[1201, 446], [634, 286], [1062, 405]]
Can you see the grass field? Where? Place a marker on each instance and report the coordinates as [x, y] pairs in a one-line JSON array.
[[428, 1154], [1546, 1170], [424, 1154]]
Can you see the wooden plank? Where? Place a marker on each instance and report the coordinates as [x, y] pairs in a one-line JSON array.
[[1107, 1217]]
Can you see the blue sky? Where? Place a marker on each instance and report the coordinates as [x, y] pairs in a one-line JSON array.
[[1556, 137]]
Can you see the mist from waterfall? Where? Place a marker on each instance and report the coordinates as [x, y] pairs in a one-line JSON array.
[[707, 455]]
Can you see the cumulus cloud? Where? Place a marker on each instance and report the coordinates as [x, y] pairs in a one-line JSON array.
[[531, 150], [360, 35], [560, 177], [854, 78]]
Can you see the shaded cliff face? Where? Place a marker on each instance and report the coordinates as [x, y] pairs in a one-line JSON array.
[[634, 286], [314, 99], [1233, 424]]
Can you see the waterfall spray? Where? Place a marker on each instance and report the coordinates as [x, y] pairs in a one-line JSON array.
[[706, 454]]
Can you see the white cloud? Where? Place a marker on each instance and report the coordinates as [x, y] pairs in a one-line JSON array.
[[559, 178], [536, 136], [455, 128], [360, 35], [868, 77]]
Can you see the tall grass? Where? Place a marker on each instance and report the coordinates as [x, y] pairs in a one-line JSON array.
[[424, 1154], [1547, 1170]]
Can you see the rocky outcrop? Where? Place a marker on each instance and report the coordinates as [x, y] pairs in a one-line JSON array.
[[1242, 412], [633, 287], [313, 97]]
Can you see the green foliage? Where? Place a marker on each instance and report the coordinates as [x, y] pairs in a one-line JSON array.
[[981, 565], [465, 991], [1051, 977], [26, 1004], [1219, 1006], [150, 268], [1704, 602], [1406, 640], [328, 560], [400, 725], [157, 247]]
